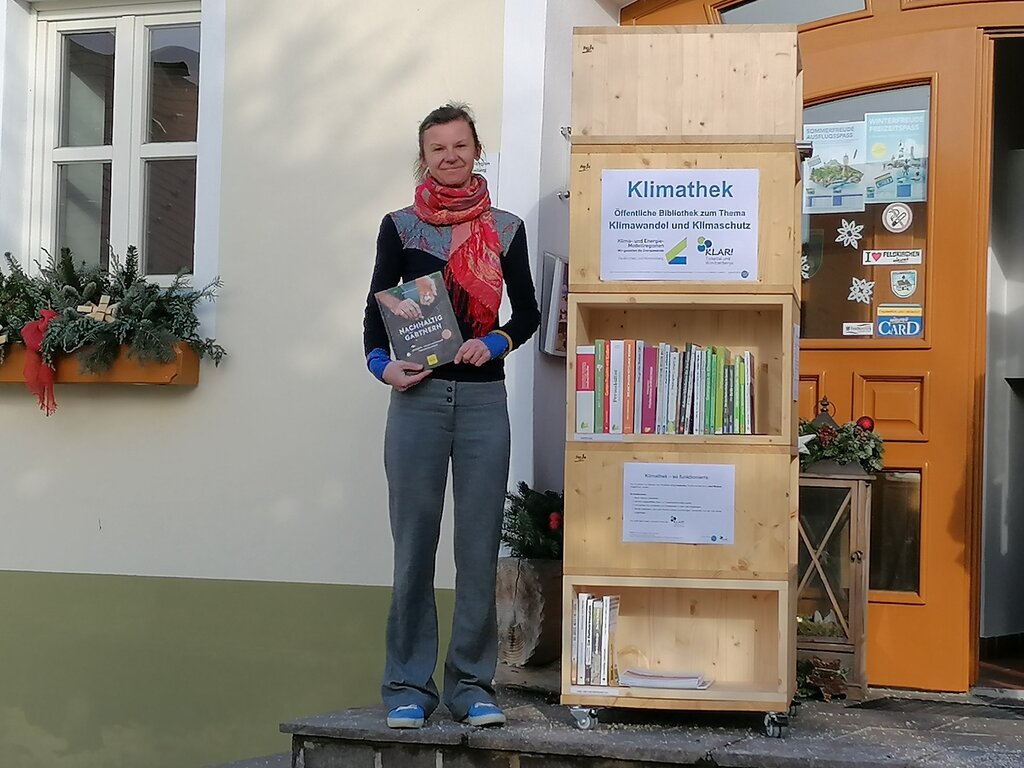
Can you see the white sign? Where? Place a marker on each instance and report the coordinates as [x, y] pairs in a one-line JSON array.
[[887, 258], [678, 503], [679, 224]]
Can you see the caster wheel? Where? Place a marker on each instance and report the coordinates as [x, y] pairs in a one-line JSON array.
[[794, 708], [585, 718], [775, 725]]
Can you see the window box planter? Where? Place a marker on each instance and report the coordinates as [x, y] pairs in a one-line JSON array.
[[182, 371]]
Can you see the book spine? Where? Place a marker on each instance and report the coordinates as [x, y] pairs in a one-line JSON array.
[[628, 384], [741, 382], [603, 676], [606, 427], [585, 389], [748, 360], [650, 391], [638, 389], [599, 366], [686, 416], [588, 642], [730, 399], [574, 640], [709, 392], [720, 392], [698, 366], [595, 651], [671, 425], [611, 624], [616, 374], [582, 600]]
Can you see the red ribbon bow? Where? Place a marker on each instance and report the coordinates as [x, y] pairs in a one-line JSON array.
[[38, 377]]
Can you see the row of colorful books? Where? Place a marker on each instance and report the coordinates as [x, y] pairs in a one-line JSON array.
[[592, 651], [629, 386]]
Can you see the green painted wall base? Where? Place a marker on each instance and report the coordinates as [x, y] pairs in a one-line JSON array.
[[138, 672]]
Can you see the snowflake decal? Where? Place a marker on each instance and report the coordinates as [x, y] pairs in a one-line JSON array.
[[861, 290], [850, 233], [805, 267]]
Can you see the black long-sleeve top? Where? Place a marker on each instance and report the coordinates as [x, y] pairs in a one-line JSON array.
[[408, 248]]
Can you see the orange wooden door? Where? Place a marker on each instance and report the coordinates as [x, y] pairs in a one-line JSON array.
[[922, 391]]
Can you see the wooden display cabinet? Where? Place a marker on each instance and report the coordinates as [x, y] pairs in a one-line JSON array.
[[705, 98]]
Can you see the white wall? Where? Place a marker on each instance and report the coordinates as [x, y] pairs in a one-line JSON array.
[[16, 44], [553, 231], [271, 468]]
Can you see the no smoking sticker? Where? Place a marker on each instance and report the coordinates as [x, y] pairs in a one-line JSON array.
[[897, 217]]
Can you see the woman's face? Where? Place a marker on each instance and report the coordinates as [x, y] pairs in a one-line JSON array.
[[448, 153]]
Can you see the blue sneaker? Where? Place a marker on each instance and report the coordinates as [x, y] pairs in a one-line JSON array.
[[484, 713], [406, 716]]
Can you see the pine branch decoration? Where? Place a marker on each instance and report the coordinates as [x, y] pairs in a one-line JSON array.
[[532, 523], [150, 319]]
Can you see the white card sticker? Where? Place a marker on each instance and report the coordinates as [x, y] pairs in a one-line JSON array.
[[858, 329]]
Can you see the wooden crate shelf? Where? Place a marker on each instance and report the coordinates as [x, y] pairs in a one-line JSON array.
[[728, 628], [765, 515], [765, 325]]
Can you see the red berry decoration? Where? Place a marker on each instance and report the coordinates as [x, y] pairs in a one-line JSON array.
[[826, 435], [866, 423], [554, 521]]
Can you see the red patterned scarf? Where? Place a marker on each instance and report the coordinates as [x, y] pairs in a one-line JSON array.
[[473, 274]]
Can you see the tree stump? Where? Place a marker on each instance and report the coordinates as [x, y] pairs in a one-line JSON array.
[[529, 605]]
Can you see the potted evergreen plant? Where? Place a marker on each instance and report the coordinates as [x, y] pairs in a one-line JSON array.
[[529, 589]]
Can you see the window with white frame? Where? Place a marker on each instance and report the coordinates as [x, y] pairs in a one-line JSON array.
[[116, 136]]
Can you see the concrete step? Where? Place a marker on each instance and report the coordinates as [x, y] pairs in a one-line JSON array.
[[542, 734]]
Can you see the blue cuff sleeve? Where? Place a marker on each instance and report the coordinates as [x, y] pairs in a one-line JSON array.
[[377, 361], [496, 344]]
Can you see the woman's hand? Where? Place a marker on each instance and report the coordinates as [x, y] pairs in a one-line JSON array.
[[408, 309], [402, 375], [474, 352]]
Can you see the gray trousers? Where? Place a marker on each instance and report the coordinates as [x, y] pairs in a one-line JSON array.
[[429, 425]]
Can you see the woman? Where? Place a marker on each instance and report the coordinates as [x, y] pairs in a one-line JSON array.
[[454, 412]]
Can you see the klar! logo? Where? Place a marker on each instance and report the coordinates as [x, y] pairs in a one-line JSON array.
[[706, 246]]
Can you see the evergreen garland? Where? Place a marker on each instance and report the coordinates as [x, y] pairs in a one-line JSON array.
[[844, 444], [532, 524], [149, 321]]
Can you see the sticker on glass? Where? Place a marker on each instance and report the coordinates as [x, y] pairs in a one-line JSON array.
[[897, 217], [812, 253], [903, 282], [850, 233], [861, 291], [858, 329], [900, 321], [892, 257]]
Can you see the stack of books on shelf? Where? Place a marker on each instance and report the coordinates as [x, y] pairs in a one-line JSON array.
[[629, 386], [594, 619], [649, 678]]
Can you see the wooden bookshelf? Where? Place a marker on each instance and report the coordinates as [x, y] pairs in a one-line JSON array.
[[704, 98]]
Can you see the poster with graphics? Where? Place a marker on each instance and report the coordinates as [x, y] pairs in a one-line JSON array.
[[834, 173], [679, 224], [897, 146]]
